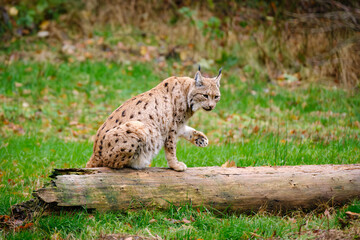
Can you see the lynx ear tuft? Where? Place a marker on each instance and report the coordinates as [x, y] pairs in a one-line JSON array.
[[217, 79], [198, 79], [199, 68]]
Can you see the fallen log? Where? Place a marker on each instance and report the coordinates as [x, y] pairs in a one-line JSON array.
[[238, 189]]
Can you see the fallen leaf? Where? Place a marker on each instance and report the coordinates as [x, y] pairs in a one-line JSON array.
[[88, 55], [10, 181], [184, 220], [100, 41], [73, 123], [43, 34], [4, 218], [13, 11], [26, 91], [229, 164], [256, 129], [143, 50], [294, 117], [152, 220], [292, 220], [352, 215], [26, 226], [327, 213], [89, 41], [44, 25], [357, 124], [172, 220]]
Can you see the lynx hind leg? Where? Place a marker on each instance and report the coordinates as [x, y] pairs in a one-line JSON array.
[[120, 146]]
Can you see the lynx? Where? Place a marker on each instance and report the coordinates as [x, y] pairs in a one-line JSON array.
[[136, 131]]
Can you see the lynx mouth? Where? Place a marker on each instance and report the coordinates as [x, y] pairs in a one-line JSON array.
[[207, 109]]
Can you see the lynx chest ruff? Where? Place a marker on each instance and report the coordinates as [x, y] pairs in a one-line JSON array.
[[136, 131]]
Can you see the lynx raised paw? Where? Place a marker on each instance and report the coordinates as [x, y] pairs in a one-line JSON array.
[[200, 139], [179, 166]]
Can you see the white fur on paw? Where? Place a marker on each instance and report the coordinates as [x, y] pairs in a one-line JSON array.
[[179, 166], [200, 140]]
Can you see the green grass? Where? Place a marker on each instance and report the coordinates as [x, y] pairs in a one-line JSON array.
[[50, 111], [169, 224]]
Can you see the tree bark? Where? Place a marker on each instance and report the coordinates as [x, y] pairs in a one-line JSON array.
[[236, 189]]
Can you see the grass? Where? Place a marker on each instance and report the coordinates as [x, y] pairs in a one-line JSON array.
[[50, 111]]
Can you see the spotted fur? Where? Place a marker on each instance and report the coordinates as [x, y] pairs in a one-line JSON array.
[[136, 131]]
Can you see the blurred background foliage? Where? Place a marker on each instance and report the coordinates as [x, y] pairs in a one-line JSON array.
[[314, 40]]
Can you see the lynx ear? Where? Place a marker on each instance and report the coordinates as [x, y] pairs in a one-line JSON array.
[[198, 79], [217, 79]]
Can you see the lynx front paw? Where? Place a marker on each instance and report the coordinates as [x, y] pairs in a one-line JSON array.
[[179, 166], [200, 139]]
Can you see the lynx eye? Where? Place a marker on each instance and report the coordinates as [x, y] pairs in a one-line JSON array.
[[206, 96], [216, 97]]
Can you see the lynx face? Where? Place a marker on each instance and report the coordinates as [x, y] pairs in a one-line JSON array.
[[206, 92]]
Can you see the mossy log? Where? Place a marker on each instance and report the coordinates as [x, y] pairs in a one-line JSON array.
[[237, 189]]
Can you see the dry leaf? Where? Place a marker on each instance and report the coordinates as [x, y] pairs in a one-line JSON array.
[[43, 34], [294, 117], [327, 213], [152, 220], [256, 129], [229, 164], [72, 123], [352, 214], [44, 25], [26, 91], [26, 226], [184, 220], [143, 50], [13, 11]]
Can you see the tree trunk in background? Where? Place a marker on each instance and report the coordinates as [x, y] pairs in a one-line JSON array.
[[236, 189]]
